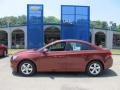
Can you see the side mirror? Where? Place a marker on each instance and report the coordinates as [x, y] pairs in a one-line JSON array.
[[44, 50]]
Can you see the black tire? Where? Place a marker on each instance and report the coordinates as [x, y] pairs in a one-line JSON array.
[[96, 71], [4, 53], [32, 67]]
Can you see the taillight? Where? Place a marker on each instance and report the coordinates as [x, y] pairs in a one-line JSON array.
[[110, 54]]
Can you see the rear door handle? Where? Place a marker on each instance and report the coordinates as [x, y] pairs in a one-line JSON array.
[[61, 56], [58, 56]]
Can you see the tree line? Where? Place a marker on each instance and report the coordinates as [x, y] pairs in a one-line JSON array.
[[22, 20]]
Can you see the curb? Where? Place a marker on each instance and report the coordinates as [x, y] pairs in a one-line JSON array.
[[115, 54]]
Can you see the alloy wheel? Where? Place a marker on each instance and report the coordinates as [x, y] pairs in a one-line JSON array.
[[26, 68], [94, 68]]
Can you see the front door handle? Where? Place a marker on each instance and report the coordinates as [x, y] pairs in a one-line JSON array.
[[58, 56]]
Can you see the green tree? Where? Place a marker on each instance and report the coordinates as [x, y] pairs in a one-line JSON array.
[[22, 20], [13, 21], [118, 27], [99, 24], [104, 25], [96, 24], [51, 19], [3, 22]]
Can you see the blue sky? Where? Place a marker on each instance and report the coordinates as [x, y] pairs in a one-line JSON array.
[[104, 10]]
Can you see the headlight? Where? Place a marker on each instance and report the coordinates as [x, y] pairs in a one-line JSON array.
[[14, 57]]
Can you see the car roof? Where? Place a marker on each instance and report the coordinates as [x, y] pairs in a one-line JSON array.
[[72, 40]]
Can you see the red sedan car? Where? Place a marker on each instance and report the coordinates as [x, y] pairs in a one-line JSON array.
[[3, 50], [63, 56]]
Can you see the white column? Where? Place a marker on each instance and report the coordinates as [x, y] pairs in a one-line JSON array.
[[25, 38], [9, 38], [93, 36], [109, 39]]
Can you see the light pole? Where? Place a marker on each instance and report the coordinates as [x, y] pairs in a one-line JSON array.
[[112, 26], [9, 33], [8, 22], [92, 35]]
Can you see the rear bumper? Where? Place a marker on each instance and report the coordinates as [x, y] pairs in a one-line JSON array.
[[108, 62]]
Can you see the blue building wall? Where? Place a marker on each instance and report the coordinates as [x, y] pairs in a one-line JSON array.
[[75, 22]]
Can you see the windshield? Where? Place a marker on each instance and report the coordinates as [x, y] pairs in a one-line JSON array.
[[46, 46]]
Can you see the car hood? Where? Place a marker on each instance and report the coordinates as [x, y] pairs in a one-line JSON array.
[[26, 52]]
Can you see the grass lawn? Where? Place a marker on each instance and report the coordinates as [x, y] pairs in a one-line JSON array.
[[13, 51], [115, 51]]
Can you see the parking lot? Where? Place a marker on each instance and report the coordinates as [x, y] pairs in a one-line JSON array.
[[110, 80]]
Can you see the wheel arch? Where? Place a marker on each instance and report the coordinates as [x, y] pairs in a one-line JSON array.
[[97, 60]]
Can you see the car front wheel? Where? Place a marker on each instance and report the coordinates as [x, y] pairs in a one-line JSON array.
[[94, 68], [27, 68]]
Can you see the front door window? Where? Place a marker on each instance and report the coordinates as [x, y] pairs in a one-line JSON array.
[[57, 47]]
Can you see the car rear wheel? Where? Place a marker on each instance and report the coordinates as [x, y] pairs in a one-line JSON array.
[[27, 68], [94, 68]]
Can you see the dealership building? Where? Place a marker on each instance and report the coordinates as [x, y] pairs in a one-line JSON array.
[[75, 24], [16, 37]]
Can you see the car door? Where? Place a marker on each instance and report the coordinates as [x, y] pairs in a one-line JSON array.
[[53, 59], [75, 59]]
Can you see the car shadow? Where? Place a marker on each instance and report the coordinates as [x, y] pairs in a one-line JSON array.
[[109, 73], [53, 75], [1, 57]]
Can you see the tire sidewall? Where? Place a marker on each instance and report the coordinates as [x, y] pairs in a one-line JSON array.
[[26, 75], [94, 75], [4, 53]]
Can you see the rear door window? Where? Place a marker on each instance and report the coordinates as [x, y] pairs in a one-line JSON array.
[[78, 46]]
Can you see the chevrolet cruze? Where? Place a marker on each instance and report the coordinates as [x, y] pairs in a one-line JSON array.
[[63, 56]]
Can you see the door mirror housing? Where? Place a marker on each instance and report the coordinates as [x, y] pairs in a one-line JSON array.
[[45, 50]]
